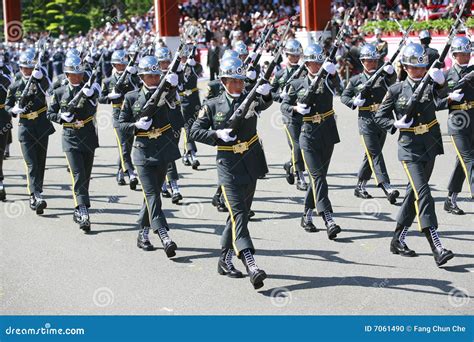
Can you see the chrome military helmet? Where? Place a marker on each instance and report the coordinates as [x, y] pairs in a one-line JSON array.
[[414, 55], [229, 53], [314, 53], [424, 34], [163, 54], [73, 65], [293, 47], [241, 48], [148, 65], [369, 51], [232, 67], [73, 52], [27, 59], [119, 57], [461, 44]]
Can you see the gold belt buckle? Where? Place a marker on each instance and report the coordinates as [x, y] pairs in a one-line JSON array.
[[421, 129], [32, 116], [374, 107], [317, 118], [240, 148], [154, 134], [79, 124], [464, 106], [188, 92]]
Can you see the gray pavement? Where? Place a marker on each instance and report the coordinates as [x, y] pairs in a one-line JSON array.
[[48, 266]]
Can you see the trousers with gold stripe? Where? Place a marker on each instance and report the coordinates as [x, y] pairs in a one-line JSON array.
[[373, 140], [238, 199], [293, 131], [34, 155], [464, 147], [124, 143], [3, 144], [80, 165], [418, 202]]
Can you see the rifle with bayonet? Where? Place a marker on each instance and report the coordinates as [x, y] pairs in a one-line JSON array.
[[25, 94], [120, 82]]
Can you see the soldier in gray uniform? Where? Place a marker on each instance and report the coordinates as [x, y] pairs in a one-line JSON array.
[[382, 46], [460, 102], [34, 127], [189, 71], [419, 143], [425, 39], [163, 54], [5, 127], [80, 138], [239, 164], [373, 138], [153, 150], [292, 123], [318, 135], [110, 94]]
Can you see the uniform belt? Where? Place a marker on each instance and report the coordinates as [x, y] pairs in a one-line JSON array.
[[188, 92], [318, 117], [421, 128], [154, 133], [373, 107], [78, 124], [33, 115], [116, 105], [241, 147], [2, 106], [463, 106]]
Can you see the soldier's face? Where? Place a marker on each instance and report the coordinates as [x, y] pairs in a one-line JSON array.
[[370, 64], [415, 72], [119, 67], [151, 80], [313, 67], [293, 59], [164, 65], [462, 57], [26, 71], [75, 79], [234, 86]]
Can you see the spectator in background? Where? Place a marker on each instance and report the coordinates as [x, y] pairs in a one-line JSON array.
[[213, 56]]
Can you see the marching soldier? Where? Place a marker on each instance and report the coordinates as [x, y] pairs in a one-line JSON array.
[[373, 138], [34, 127], [425, 39], [114, 96], [419, 143], [5, 127], [239, 165], [153, 150], [175, 116], [79, 139], [381, 45], [318, 136], [292, 123], [460, 102], [189, 71]]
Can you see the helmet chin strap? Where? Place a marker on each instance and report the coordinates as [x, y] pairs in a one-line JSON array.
[[150, 87], [462, 65], [416, 79], [369, 71]]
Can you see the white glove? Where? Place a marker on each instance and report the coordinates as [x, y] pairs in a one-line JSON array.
[[180, 67], [88, 91], [144, 123], [1, 64], [66, 116], [172, 79], [89, 59], [389, 69], [401, 123], [437, 75], [283, 94], [301, 108], [113, 96], [252, 55], [358, 101], [37, 74], [131, 69], [456, 95], [329, 67], [191, 62], [223, 134], [252, 75], [264, 89], [17, 110]]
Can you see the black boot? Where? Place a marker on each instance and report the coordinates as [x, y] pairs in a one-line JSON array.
[[40, 204], [81, 217], [120, 178], [195, 163], [290, 177], [391, 194], [176, 197], [251, 214], [3, 194], [168, 245], [133, 181], [452, 208], [221, 207], [143, 241], [186, 161], [33, 202], [257, 276], [360, 192], [332, 228], [308, 225], [301, 185], [164, 191], [225, 265], [440, 254], [400, 247]]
